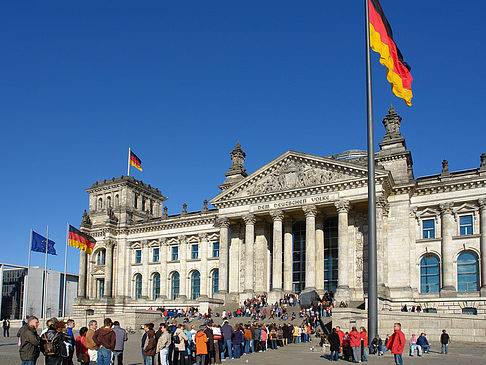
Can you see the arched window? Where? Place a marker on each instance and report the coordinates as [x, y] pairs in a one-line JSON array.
[[100, 203], [174, 285], [467, 272], [117, 200], [195, 285], [101, 257], [138, 286], [155, 286], [429, 274], [214, 282], [108, 201]]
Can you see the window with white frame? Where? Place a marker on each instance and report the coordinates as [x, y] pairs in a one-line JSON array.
[[428, 228], [216, 249], [194, 252], [155, 255], [138, 256], [174, 253], [466, 225]]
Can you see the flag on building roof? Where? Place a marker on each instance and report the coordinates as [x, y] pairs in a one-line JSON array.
[[135, 161], [381, 41], [81, 240], [38, 244]]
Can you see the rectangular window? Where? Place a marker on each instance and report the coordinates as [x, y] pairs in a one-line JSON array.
[[175, 253], [194, 252], [155, 256], [466, 225], [216, 249], [101, 288], [428, 228], [138, 256]]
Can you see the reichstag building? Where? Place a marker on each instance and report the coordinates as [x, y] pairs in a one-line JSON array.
[[298, 223]]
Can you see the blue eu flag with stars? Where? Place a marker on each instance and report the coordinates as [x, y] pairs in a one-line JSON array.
[[39, 244]]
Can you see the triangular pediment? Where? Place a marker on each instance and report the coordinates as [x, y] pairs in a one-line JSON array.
[[294, 171]]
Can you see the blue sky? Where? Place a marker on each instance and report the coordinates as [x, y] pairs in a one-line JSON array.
[[182, 81]]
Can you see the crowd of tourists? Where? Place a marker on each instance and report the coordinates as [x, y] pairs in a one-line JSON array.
[[353, 345]]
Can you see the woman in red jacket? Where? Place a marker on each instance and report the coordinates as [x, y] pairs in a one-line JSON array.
[[355, 343], [81, 347], [397, 343], [364, 344]]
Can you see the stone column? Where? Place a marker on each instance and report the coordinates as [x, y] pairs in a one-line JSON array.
[[82, 274], [447, 259], [109, 269], [183, 286], [310, 247], [342, 291], [320, 254], [382, 208], [288, 255], [163, 268], [223, 254], [145, 269], [482, 245], [249, 244], [277, 250], [203, 244]]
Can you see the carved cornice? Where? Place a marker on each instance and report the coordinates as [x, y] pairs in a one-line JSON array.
[[382, 203], [163, 241], [182, 238], [342, 206], [203, 237], [446, 208], [449, 186], [223, 222], [277, 215], [310, 211], [249, 219]]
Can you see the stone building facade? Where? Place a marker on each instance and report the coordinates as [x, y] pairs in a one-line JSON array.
[[298, 223]]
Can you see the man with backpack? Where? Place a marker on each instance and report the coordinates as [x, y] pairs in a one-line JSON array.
[[50, 344], [29, 341], [105, 338]]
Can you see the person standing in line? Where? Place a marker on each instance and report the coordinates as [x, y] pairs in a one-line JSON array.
[[92, 346], [6, 327], [228, 333], [121, 337], [105, 338], [341, 335], [179, 348], [201, 341], [397, 343], [163, 344], [355, 344], [50, 344], [444, 340], [81, 347], [70, 326], [29, 341], [248, 341], [364, 344], [210, 358], [150, 345], [335, 343]]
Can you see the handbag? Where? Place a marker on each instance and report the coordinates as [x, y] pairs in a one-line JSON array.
[[83, 358]]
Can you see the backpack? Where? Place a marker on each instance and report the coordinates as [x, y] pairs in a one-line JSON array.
[[175, 339], [49, 348], [67, 349]]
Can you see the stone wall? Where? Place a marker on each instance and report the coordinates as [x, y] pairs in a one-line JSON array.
[[460, 327]]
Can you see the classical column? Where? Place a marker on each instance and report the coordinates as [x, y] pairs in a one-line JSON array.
[[82, 274], [277, 217], [342, 292], [223, 254], [108, 269], [122, 268], [482, 245], [249, 244], [183, 281], [163, 268], [382, 209], [320, 254], [288, 255], [310, 247], [447, 253], [203, 244], [145, 268]]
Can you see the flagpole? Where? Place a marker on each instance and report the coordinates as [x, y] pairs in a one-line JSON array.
[[65, 277], [45, 282], [26, 290], [128, 168], [372, 266]]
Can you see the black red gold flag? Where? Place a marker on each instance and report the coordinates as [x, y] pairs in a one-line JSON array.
[[81, 240], [381, 41], [135, 161]]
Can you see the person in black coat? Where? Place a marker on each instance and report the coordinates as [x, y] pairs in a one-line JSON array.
[[210, 344], [50, 344], [335, 344]]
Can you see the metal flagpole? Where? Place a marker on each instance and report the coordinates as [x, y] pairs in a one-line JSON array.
[[26, 289], [372, 267], [128, 169], [45, 282], [65, 277]]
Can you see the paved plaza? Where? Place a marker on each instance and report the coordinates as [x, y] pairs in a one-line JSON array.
[[309, 353]]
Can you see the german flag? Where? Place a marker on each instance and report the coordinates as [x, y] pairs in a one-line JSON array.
[[135, 161], [381, 41], [81, 240]]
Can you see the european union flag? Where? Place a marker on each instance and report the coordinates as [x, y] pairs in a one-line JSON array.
[[39, 244]]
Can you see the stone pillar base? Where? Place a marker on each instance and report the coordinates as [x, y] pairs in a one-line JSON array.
[[342, 294], [448, 292], [275, 295]]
